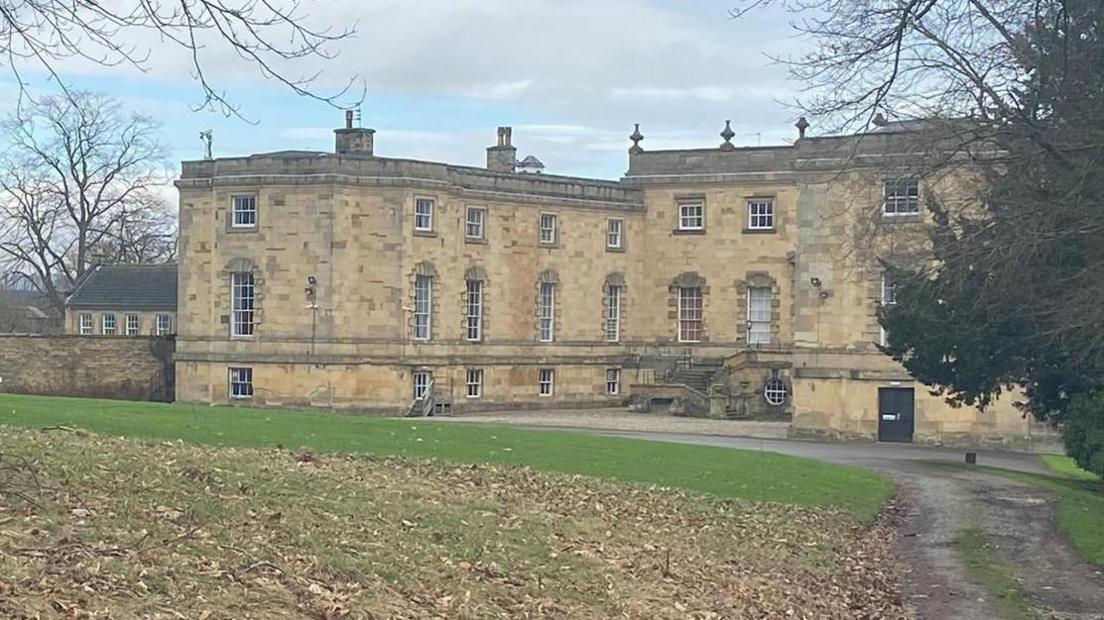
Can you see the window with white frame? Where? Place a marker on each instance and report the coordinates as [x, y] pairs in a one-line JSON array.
[[423, 307], [902, 197], [546, 310], [423, 214], [759, 314], [691, 215], [613, 381], [613, 313], [760, 214], [475, 223], [422, 379], [164, 324], [242, 304], [889, 291], [690, 314], [889, 298], [86, 323], [614, 230], [775, 392], [133, 326], [548, 228], [243, 211], [546, 381], [107, 324], [475, 382], [473, 320], [241, 383]]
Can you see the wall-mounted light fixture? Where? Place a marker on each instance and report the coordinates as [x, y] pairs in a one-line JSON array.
[[815, 281]]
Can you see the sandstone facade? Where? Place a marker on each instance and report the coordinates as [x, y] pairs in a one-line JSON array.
[[359, 272]]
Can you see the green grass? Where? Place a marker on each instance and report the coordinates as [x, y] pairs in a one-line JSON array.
[[995, 577], [1080, 509], [1066, 467], [757, 476]]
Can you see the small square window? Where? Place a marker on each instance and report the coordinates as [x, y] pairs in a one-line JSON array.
[[107, 324], [86, 323], [164, 324], [423, 214], [474, 225], [422, 380], [244, 211], [613, 381], [132, 325], [241, 383], [614, 231], [760, 215], [902, 197], [546, 381], [548, 228], [475, 382], [691, 215]]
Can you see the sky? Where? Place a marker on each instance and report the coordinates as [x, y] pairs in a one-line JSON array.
[[570, 76]]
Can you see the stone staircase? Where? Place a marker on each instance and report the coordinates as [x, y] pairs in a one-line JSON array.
[[696, 377]]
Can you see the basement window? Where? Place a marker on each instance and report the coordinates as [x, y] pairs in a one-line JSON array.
[[775, 392], [613, 381], [546, 381], [422, 380], [241, 383], [475, 382]]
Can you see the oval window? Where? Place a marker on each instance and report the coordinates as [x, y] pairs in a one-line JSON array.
[[775, 392]]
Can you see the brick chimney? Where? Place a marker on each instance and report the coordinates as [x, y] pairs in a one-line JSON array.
[[502, 157], [353, 140]]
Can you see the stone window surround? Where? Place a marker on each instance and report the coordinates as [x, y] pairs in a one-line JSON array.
[[223, 295], [423, 268], [237, 228], [758, 279], [771, 198], [897, 184], [687, 279], [548, 276], [482, 238], [433, 216], [621, 235], [474, 273], [688, 199], [555, 242], [618, 280]]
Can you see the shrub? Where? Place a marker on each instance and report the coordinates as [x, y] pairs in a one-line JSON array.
[[1084, 432]]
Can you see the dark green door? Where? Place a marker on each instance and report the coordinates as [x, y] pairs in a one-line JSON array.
[[895, 414]]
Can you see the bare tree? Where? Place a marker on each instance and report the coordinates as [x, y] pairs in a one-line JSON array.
[[271, 35], [80, 180]]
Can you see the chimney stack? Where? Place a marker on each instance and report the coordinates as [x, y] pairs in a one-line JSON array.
[[503, 156], [354, 140]]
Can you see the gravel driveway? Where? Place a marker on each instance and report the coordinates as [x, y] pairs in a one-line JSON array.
[[938, 503]]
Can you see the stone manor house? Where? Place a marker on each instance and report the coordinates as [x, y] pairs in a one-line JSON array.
[[705, 281]]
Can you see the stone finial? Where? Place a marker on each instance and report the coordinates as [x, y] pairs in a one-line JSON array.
[[636, 137], [728, 135], [802, 124]]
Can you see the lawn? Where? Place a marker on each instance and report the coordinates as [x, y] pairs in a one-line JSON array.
[[750, 475], [108, 527]]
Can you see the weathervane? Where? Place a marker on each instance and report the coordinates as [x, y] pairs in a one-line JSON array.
[[207, 137]]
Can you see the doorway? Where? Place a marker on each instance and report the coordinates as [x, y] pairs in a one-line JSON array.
[[896, 410]]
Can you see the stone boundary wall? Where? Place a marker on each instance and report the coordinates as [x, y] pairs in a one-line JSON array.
[[122, 367]]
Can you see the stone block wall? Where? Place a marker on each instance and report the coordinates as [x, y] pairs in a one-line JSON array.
[[134, 368]]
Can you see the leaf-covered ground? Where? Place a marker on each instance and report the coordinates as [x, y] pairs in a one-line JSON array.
[[113, 528]]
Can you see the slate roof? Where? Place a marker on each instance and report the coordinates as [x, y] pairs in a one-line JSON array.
[[127, 287]]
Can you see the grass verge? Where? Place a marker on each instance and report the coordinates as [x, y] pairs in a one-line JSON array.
[[95, 526], [1066, 467], [994, 576], [757, 476], [1080, 509]]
